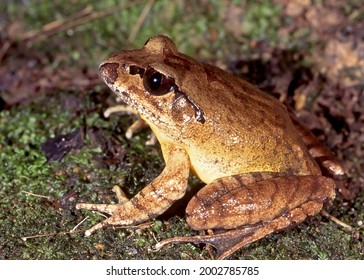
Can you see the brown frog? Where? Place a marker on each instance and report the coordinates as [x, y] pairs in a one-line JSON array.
[[260, 166]]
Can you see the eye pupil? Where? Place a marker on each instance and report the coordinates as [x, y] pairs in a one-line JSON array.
[[156, 83]]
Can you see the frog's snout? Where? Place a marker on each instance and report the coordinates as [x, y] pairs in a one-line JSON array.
[[109, 72]]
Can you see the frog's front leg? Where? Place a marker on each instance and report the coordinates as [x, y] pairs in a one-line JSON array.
[[154, 199], [247, 207]]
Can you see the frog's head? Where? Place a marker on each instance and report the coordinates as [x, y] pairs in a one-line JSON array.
[[154, 81]]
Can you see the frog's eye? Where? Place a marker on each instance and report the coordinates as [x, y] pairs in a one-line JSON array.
[[156, 83]]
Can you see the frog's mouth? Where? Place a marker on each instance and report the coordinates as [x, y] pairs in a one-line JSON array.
[[124, 96]]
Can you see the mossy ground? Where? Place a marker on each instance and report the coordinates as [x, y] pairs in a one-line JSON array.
[[38, 198]]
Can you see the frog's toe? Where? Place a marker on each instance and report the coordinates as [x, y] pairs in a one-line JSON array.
[[119, 215], [109, 209], [98, 226], [104, 208], [121, 196], [119, 109], [136, 127]]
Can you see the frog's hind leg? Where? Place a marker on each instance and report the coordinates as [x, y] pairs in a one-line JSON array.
[[229, 241], [329, 165], [250, 206], [231, 202]]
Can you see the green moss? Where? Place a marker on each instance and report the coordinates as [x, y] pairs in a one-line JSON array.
[[262, 20]]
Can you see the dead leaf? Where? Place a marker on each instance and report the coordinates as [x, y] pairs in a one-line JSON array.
[[56, 148]]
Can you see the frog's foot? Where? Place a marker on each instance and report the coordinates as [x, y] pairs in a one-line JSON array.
[[151, 201], [136, 127], [228, 242], [223, 241], [104, 208], [109, 209], [120, 215]]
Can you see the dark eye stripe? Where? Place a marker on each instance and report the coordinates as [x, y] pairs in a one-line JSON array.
[[135, 70]]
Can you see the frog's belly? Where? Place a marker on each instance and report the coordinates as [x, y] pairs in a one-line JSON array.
[[215, 164]]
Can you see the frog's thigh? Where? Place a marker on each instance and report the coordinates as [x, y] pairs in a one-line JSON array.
[[232, 202]]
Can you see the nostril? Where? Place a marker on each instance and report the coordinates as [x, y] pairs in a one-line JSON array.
[[109, 72]]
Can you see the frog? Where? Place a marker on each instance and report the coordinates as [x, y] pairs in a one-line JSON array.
[[262, 170]]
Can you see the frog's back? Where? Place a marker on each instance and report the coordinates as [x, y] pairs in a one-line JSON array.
[[246, 130]]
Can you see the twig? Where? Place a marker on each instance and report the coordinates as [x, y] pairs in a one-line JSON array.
[[139, 226], [25, 238], [37, 195], [140, 21], [54, 26], [82, 17], [336, 220], [80, 223]]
